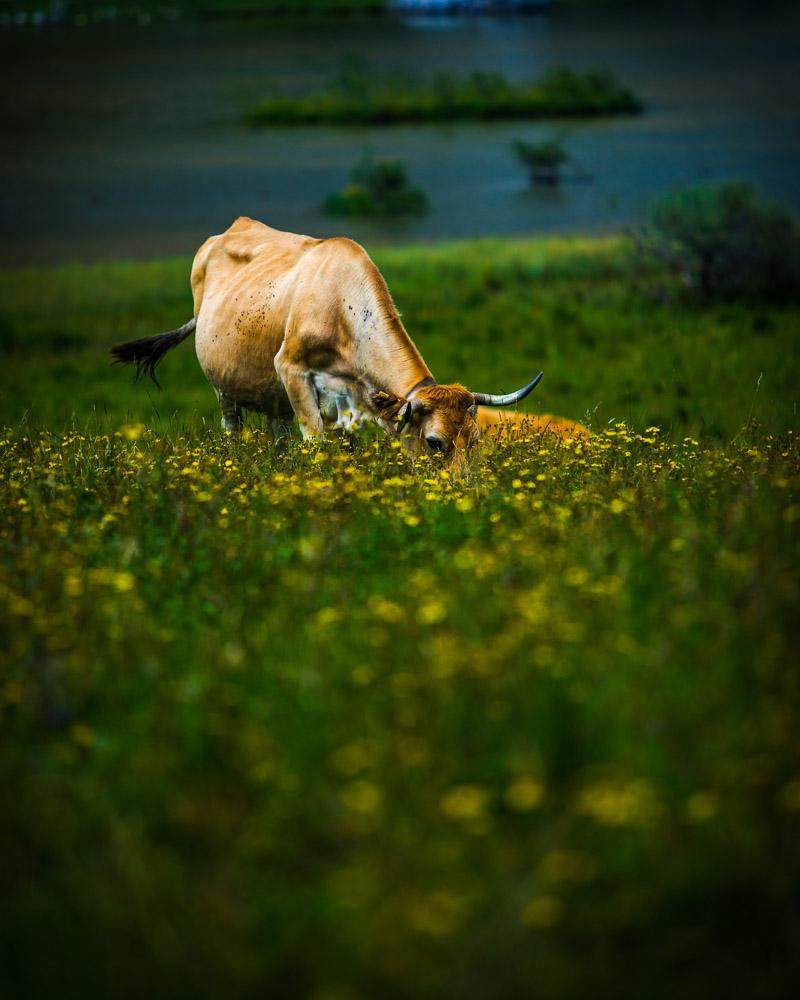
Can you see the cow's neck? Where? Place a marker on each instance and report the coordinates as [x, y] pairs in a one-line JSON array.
[[403, 369], [428, 380], [389, 356]]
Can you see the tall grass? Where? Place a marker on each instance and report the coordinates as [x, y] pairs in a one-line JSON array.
[[292, 723]]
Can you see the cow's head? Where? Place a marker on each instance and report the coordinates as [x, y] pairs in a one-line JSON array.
[[440, 419]]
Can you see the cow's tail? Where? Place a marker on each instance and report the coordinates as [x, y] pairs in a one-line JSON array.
[[147, 352]]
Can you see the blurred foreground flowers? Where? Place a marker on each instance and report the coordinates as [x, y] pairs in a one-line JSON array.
[[325, 722]]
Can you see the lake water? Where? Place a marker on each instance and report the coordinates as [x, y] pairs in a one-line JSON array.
[[124, 140]]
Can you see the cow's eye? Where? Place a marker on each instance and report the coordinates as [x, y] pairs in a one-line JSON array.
[[435, 443]]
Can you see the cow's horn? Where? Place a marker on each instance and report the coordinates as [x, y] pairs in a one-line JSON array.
[[487, 399]]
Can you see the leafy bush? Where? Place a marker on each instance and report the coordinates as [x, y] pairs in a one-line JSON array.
[[728, 239], [378, 187], [543, 160]]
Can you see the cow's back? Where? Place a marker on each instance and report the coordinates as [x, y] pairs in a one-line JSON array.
[[247, 251]]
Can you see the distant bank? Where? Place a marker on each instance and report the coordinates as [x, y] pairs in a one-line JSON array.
[[40, 13], [465, 6]]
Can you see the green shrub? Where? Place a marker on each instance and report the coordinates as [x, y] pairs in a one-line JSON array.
[[378, 188], [543, 160], [728, 239]]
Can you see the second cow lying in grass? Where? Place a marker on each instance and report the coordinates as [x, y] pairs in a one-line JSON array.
[[511, 424]]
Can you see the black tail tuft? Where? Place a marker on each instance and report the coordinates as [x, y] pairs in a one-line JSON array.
[[147, 352]]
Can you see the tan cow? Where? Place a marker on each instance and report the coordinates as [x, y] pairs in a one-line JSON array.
[[287, 324], [504, 423]]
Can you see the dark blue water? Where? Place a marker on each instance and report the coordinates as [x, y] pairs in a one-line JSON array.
[[126, 141]]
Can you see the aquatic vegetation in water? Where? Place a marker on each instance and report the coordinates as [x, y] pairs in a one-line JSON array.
[[378, 188], [543, 160], [358, 96]]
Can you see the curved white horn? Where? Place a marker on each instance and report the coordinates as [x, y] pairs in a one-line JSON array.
[[487, 399]]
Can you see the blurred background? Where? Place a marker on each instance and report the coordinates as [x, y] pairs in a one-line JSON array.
[[126, 134]]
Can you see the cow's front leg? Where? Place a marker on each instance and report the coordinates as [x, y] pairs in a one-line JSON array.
[[231, 414], [297, 382]]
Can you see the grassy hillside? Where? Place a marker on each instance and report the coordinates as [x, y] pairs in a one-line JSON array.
[[615, 341], [332, 724]]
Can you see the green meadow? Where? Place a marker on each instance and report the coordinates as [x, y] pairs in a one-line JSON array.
[[618, 339], [326, 722]]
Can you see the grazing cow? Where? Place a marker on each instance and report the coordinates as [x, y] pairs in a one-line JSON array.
[[287, 324]]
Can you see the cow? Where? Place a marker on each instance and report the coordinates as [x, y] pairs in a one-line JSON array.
[[504, 423], [290, 325]]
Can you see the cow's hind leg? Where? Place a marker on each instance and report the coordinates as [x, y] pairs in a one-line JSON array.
[[232, 419], [280, 429]]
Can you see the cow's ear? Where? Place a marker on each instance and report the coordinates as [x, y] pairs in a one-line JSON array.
[[473, 411], [386, 404], [405, 415]]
